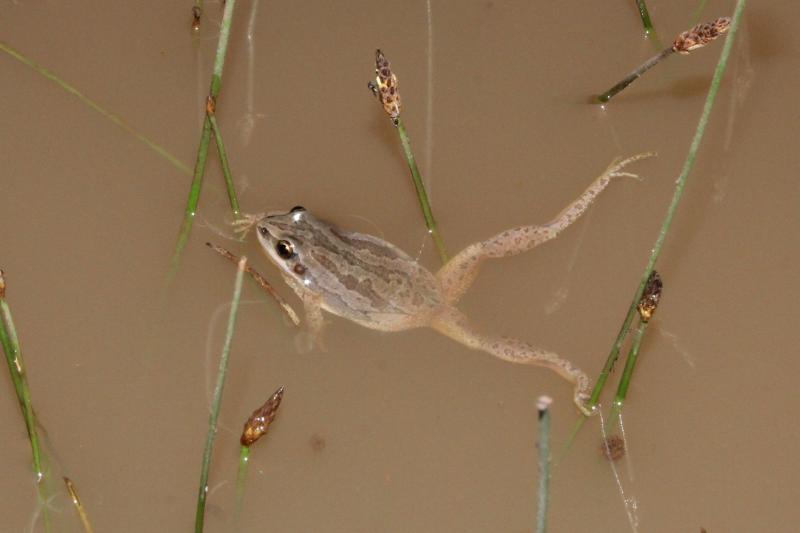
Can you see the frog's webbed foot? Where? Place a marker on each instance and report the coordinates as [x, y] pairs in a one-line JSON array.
[[459, 273], [453, 323]]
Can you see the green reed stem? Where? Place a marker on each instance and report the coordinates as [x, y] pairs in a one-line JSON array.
[[544, 465], [16, 368], [627, 373], [673, 207], [216, 401], [633, 76], [241, 479], [5, 47], [226, 168], [430, 222], [630, 364], [645, 15], [205, 137]]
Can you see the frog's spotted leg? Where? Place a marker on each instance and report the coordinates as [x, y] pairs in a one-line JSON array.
[[459, 273], [451, 322]]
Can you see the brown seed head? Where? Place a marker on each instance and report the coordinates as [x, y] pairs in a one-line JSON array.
[[2, 284], [650, 297], [258, 423], [385, 86], [701, 35]]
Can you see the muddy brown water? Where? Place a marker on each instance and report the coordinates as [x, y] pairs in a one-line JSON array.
[[407, 431]]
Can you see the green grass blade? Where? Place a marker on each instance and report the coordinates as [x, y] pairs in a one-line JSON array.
[[173, 160], [16, 368], [216, 401]]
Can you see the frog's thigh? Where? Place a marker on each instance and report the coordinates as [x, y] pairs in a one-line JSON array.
[[459, 273]]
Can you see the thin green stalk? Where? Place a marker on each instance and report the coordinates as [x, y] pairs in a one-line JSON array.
[[16, 368], [241, 478], [616, 347], [673, 207], [627, 373], [430, 222], [216, 401], [9, 350], [633, 76], [5, 47], [615, 416], [194, 195], [205, 137], [544, 463], [226, 168], [646, 22]]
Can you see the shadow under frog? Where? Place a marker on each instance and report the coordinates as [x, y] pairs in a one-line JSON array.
[[373, 283]]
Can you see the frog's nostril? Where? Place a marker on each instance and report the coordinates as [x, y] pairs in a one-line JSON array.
[[263, 231]]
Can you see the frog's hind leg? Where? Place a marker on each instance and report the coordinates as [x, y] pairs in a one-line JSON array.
[[459, 273], [452, 322]]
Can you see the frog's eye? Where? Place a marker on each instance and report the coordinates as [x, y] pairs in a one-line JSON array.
[[285, 249], [263, 231], [297, 208]]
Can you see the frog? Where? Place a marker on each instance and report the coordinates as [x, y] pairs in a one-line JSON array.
[[372, 282]]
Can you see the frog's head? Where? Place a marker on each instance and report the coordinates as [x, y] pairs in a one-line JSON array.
[[282, 236]]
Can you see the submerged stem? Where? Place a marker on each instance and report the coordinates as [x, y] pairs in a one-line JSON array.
[[216, 401]]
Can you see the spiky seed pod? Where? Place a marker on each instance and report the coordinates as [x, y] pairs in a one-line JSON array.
[[386, 86], [651, 296], [258, 423], [701, 35]]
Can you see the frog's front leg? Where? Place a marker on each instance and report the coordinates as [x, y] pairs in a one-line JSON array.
[[312, 304], [459, 273], [452, 322]]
